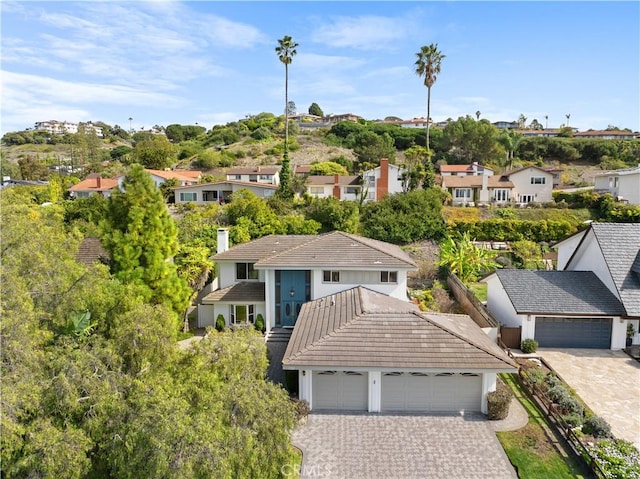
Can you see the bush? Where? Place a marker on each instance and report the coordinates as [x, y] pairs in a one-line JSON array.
[[558, 394], [260, 326], [537, 376], [618, 458], [221, 324], [572, 420], [529, 346], [570, 405], [597, 426], [498, 401], [552, 380], [302, 409]]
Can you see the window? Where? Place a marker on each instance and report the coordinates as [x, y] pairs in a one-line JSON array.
[[462, 193], [331, 276], [538, 180], [388, 276], [242, 313], [526, 198], [316, 190], [253, 178], [209, 196], [236, 177], [352, 190], [246, 271], [371, 179], [82, 194], [501, 195], [266, 177], [188, 196]]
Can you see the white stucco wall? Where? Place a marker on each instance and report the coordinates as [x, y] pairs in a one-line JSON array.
[[305, 384], [488, 385], [528, 323], [226, 273], [589, 258], [618, 334], [522, 185], [566, 248], [351, 279], [629, 187], [499, 303]]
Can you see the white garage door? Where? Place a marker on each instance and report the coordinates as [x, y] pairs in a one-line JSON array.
[[445, 392], [340, 390]]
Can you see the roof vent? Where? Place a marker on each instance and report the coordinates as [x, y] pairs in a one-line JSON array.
[[377, 262]]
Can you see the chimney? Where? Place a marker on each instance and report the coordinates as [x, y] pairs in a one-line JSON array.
[[382, 185], [98, 181], [336, 186], [223, 240]]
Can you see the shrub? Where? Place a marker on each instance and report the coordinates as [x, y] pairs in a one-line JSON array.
[[498, 401], [570, 405], [558, 394], [572, 420], [260, 326], [552, 380], [537, 376], [618, 458], [529, 346], [597, 426], [302, 408], [221, 324]]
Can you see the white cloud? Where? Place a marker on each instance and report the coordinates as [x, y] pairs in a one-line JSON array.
[[366, 32]]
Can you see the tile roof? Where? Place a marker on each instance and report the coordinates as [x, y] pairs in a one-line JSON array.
[[90, 183], [456, 168], [188, 175], [91, 251], [558, 292], [339, 249], [620, 246], [335, 249], [475, 182], [253, 170], [247, 291], [331, 180], [362, 328], [625, 171], [518, 170]]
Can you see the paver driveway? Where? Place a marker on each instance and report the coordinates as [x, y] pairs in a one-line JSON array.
[[378, 446], [608, 381]]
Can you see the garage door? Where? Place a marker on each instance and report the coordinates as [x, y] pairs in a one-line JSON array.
[[340, 390], [573, 332], [418, 392]]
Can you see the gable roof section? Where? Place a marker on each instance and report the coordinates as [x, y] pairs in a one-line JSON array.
[[253, 170], [362, 328], [91, 182], [339, 249], [186, 175], [558, 292], [245, 292], [518, 170], [91, 251], [620, 246], [263, 247]]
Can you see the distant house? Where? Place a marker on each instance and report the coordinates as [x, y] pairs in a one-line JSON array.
[[94, 184], [337, 186], [302, 169], [385, 179], [531, 184], [546, 133], [474, 169], [90, 251], [415, 123], [184, 177], [607, 134], [343, 117], [220, 191], [255, 174], [624, 184], [56, 127], [506, 125]]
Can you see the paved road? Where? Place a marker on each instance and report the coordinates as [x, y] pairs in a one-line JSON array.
[[607, 381], [378, 446]]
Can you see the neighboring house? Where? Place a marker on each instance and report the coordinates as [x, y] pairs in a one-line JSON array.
[[301, 170], [587, 303], [90, 251], [184, 177], [506, 125], [624, 185], [361, 350], [357, 342], [56, 127], [546, 133], [607, 134], [343, 117], [557, 175], [531, 184], [219, 191], [255, 174], [469, 190], [414, 123], [474, 169], [93, 184], [338, 186], [386, 179]]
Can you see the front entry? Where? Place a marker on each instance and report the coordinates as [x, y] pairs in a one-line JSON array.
[[293, 289]]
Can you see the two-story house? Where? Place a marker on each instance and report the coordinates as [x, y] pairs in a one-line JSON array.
[[623, 184], [357, 343], [337, 186], [269, 175], [385, 179]]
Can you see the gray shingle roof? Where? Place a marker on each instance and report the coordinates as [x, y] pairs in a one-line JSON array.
[[558, 292], [246, 291], [335, 249], [363, 328], [620, 246]]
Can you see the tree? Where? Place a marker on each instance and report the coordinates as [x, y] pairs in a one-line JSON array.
[[156, 152], [428, 66], [510, 140], [466, 260], [33, 169], [327, 168], [522, 121], [467, 140], [370, 148], [478, 115], [286, 50], [141, 237], [568, 115], [291, 108], [333, 214], [419, 170], [314, 109]]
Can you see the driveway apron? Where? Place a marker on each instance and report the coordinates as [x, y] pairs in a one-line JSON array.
[[380, 446]]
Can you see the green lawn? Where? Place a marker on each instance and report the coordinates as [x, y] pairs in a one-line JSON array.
[[479, 290], [534, 449]]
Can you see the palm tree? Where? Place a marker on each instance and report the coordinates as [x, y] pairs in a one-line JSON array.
[[546, 122], [568, 115], [286, 50], [511, 141], [428, 66], [478, 115]]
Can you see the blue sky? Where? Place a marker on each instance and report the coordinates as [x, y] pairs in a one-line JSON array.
[[214, 62]]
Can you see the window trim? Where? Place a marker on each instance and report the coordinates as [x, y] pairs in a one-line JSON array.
[[250, 314], [333, 275], [538, 180], [193, 195], [250, 273], [389, 277]]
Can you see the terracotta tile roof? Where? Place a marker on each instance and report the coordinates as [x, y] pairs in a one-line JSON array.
[[246, 291], [339, 249], [253, 184], [188, 175], [362, 328], [302, 169], [95, 182], [455, 168], [253, 170], [475, 182], [91, 251], [330, 180]]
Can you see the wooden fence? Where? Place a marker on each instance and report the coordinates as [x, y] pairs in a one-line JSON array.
[[472, 305], [511, 336]]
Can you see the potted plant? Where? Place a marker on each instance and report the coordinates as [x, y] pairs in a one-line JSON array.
[[630, 332]]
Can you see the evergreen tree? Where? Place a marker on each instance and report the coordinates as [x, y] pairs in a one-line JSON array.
[[142, 240]]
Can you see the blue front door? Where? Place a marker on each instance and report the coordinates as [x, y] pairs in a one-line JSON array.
[[292, 291]]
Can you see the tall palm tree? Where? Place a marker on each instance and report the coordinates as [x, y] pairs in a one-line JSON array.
[[428, 66], [546, 122], [568, 115], [478, 115], [286, 50]]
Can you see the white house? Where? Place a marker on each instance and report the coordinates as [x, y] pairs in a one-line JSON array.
[[531, 184], [255, 174], [220, 191], [466, 190], [587, 303], [385, 179], [624, 184], [357, 342], [338, 186]]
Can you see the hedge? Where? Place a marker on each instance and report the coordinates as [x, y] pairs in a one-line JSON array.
[[513, 230]]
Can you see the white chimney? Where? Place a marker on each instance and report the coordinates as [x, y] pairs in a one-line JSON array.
[[223, 240]]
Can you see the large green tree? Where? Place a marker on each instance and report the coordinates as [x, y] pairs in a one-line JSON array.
[[286, 50], [427, 66], [314, 109], [155, 152], [141, 237]]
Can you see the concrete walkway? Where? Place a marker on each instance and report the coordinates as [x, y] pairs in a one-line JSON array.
[[607, 381], [380, 446]]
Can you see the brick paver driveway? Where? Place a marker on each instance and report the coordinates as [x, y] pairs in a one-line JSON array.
[[372, 446], [608, 381]]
